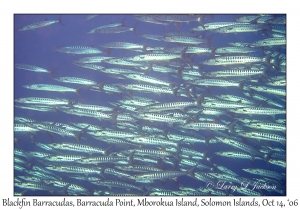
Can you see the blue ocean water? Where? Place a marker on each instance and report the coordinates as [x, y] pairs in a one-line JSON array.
[[37, 47]]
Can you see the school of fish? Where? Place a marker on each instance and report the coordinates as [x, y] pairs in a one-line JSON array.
[[188, 111]]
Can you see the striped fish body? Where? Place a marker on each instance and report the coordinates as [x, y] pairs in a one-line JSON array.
[[32, 68], [79, 50], [166, 106], [258, 111], [269, 42], [214, 25], [94, 59], [41, 24], [74, 169], [48, 87], [232, 60], [76, 80], [243, 28]]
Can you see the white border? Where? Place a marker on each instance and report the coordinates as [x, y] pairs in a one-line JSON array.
[[153, 6]]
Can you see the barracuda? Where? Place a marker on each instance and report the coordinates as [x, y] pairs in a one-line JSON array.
[[232, 60], [31, 179], [35, 186], [280, 163], [185, 138], [33, 68], [115, 29], [112, 133], [64, 158], [153, 153], [107, 88], [258, 111], [190, 50], [214, 25], [210, 111], [93, 59], [77, 148], [209, 126], [150, 19], [143, 78], [216, 82], [90, 66], [149, 88], [163, 175], [105, 159], [123, 62], [106, 26], [55, 88], [76, 80], [81, 50], [266, 126], [178, 18], [236, 155], [89, 127], [190, 163], [118, 184], [69, 187], [275, 91], [138, 168], [243, 28], [145, 140], [267, 100], [21, 153], [236, 73], [277, 83], [184, 40], [114, 172], [44, 101], [162, 69], [160, 118], [229, 50], [93, 107], [40, 108], [241, 146], [264, 136], [263, 172], [41, 24], [118, 71], [154, 57], [158, 107], [89, 113], [226, 170], [269, 42], [135, 102], [75, 169], [235, 99], [58, 130], [23, 120], [220, 104], [122, 45], [24, 128], [43, 175]]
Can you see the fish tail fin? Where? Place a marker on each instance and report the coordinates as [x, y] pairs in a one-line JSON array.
[[134, 28], [78, 136], [130, 158], [59, 21], [106, 151], [191, 172], [231, 126], [51, 72], [78, 91]]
